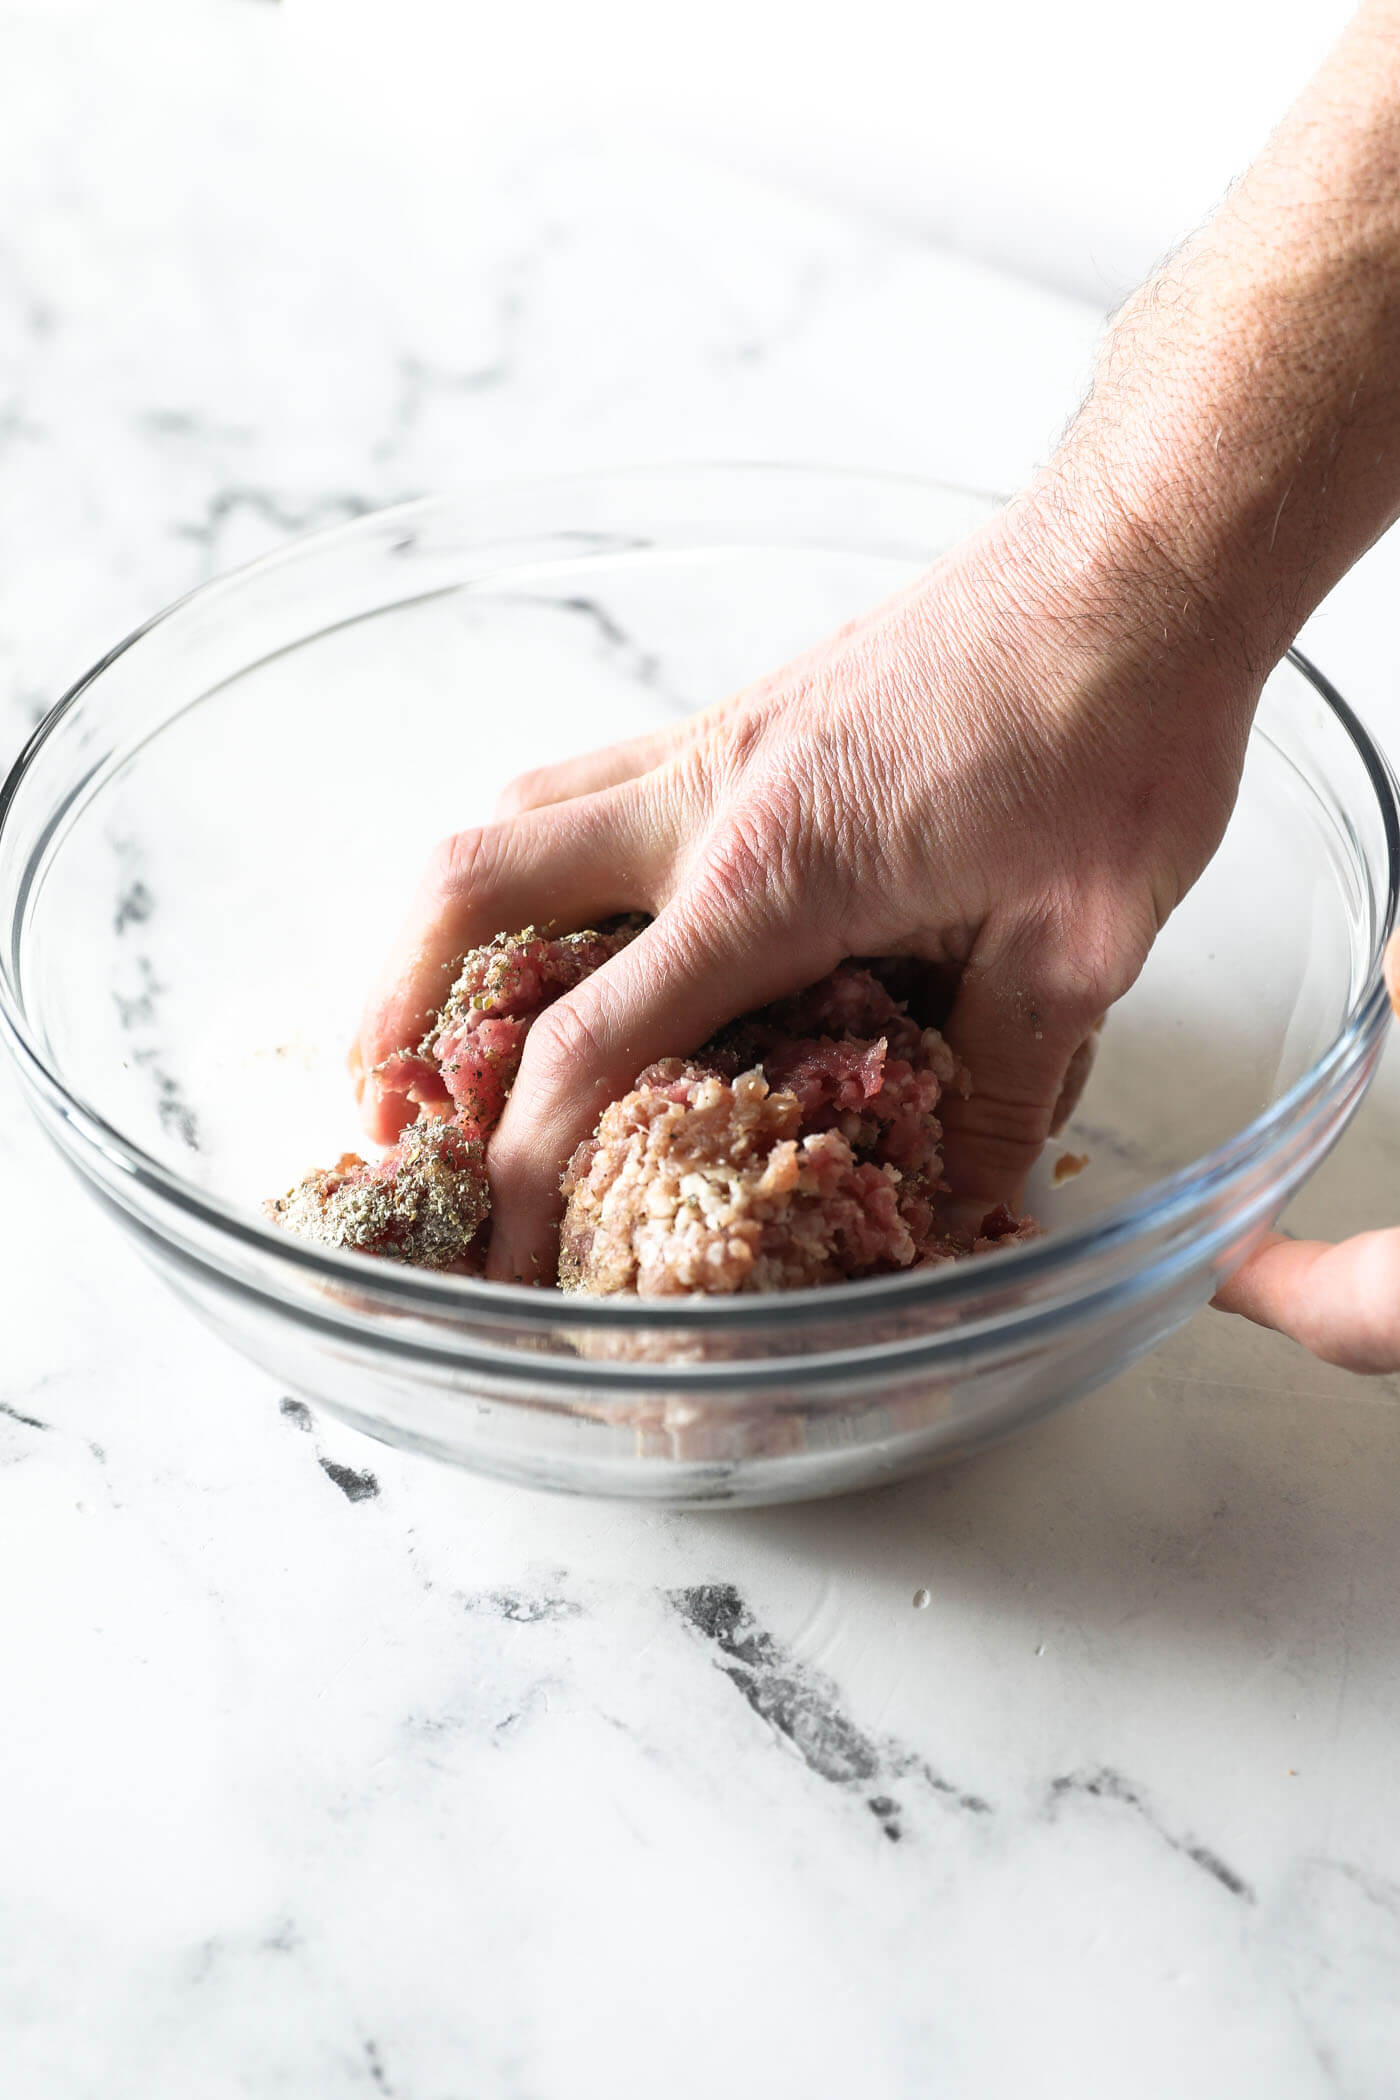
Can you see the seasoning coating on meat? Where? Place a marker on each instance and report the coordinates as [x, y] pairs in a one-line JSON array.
[[424, 1203], [801, 1146], [466, 1063]]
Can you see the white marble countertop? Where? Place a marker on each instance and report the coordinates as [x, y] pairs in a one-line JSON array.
[[327, 1771]]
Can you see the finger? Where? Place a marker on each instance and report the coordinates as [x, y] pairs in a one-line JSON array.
[[1076, 1079], [589, 774], [1341, 1302], [594, 857], [1390, 963], [691, 971], [1028, 1058], [612, 766]]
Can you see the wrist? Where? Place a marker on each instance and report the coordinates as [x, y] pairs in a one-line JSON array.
[[1241, 445], [1097, 560]]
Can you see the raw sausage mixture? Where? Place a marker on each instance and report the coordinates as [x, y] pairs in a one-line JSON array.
[[800, 1146]]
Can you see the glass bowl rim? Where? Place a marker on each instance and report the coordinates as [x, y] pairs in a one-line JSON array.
[[1163, 1203]]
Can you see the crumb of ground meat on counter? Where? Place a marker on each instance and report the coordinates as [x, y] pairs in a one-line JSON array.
[[423, 1204], [800, 1146]]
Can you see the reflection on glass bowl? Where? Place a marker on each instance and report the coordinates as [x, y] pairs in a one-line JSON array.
[[205, 848]]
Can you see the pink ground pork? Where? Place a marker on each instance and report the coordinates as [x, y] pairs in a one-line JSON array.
[[801, 1146]]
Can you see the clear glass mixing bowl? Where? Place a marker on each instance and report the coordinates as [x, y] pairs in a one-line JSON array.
[[205, 848]]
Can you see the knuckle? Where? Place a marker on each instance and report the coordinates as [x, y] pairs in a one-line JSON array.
[[742, 743], [567, 1041], [740, 862], [754, 860], [1077, 981], [1088, 954], [467, 863], [532, 789], [738, 737]]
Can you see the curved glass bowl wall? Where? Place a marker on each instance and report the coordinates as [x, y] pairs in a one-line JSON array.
[[204, 851]]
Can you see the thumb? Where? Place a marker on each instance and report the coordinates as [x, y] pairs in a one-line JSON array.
[[1341, 1302]]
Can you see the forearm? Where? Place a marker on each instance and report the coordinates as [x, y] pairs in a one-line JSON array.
[[1241, 444]]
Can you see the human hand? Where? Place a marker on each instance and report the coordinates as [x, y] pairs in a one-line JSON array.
[[1005, 771], [1341, 1302], [1016, 769]]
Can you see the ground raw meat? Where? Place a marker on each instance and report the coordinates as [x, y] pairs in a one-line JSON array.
[[467, 1062], [821, 1164], [424, 1203], [696, 1182], [801, 1146]]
